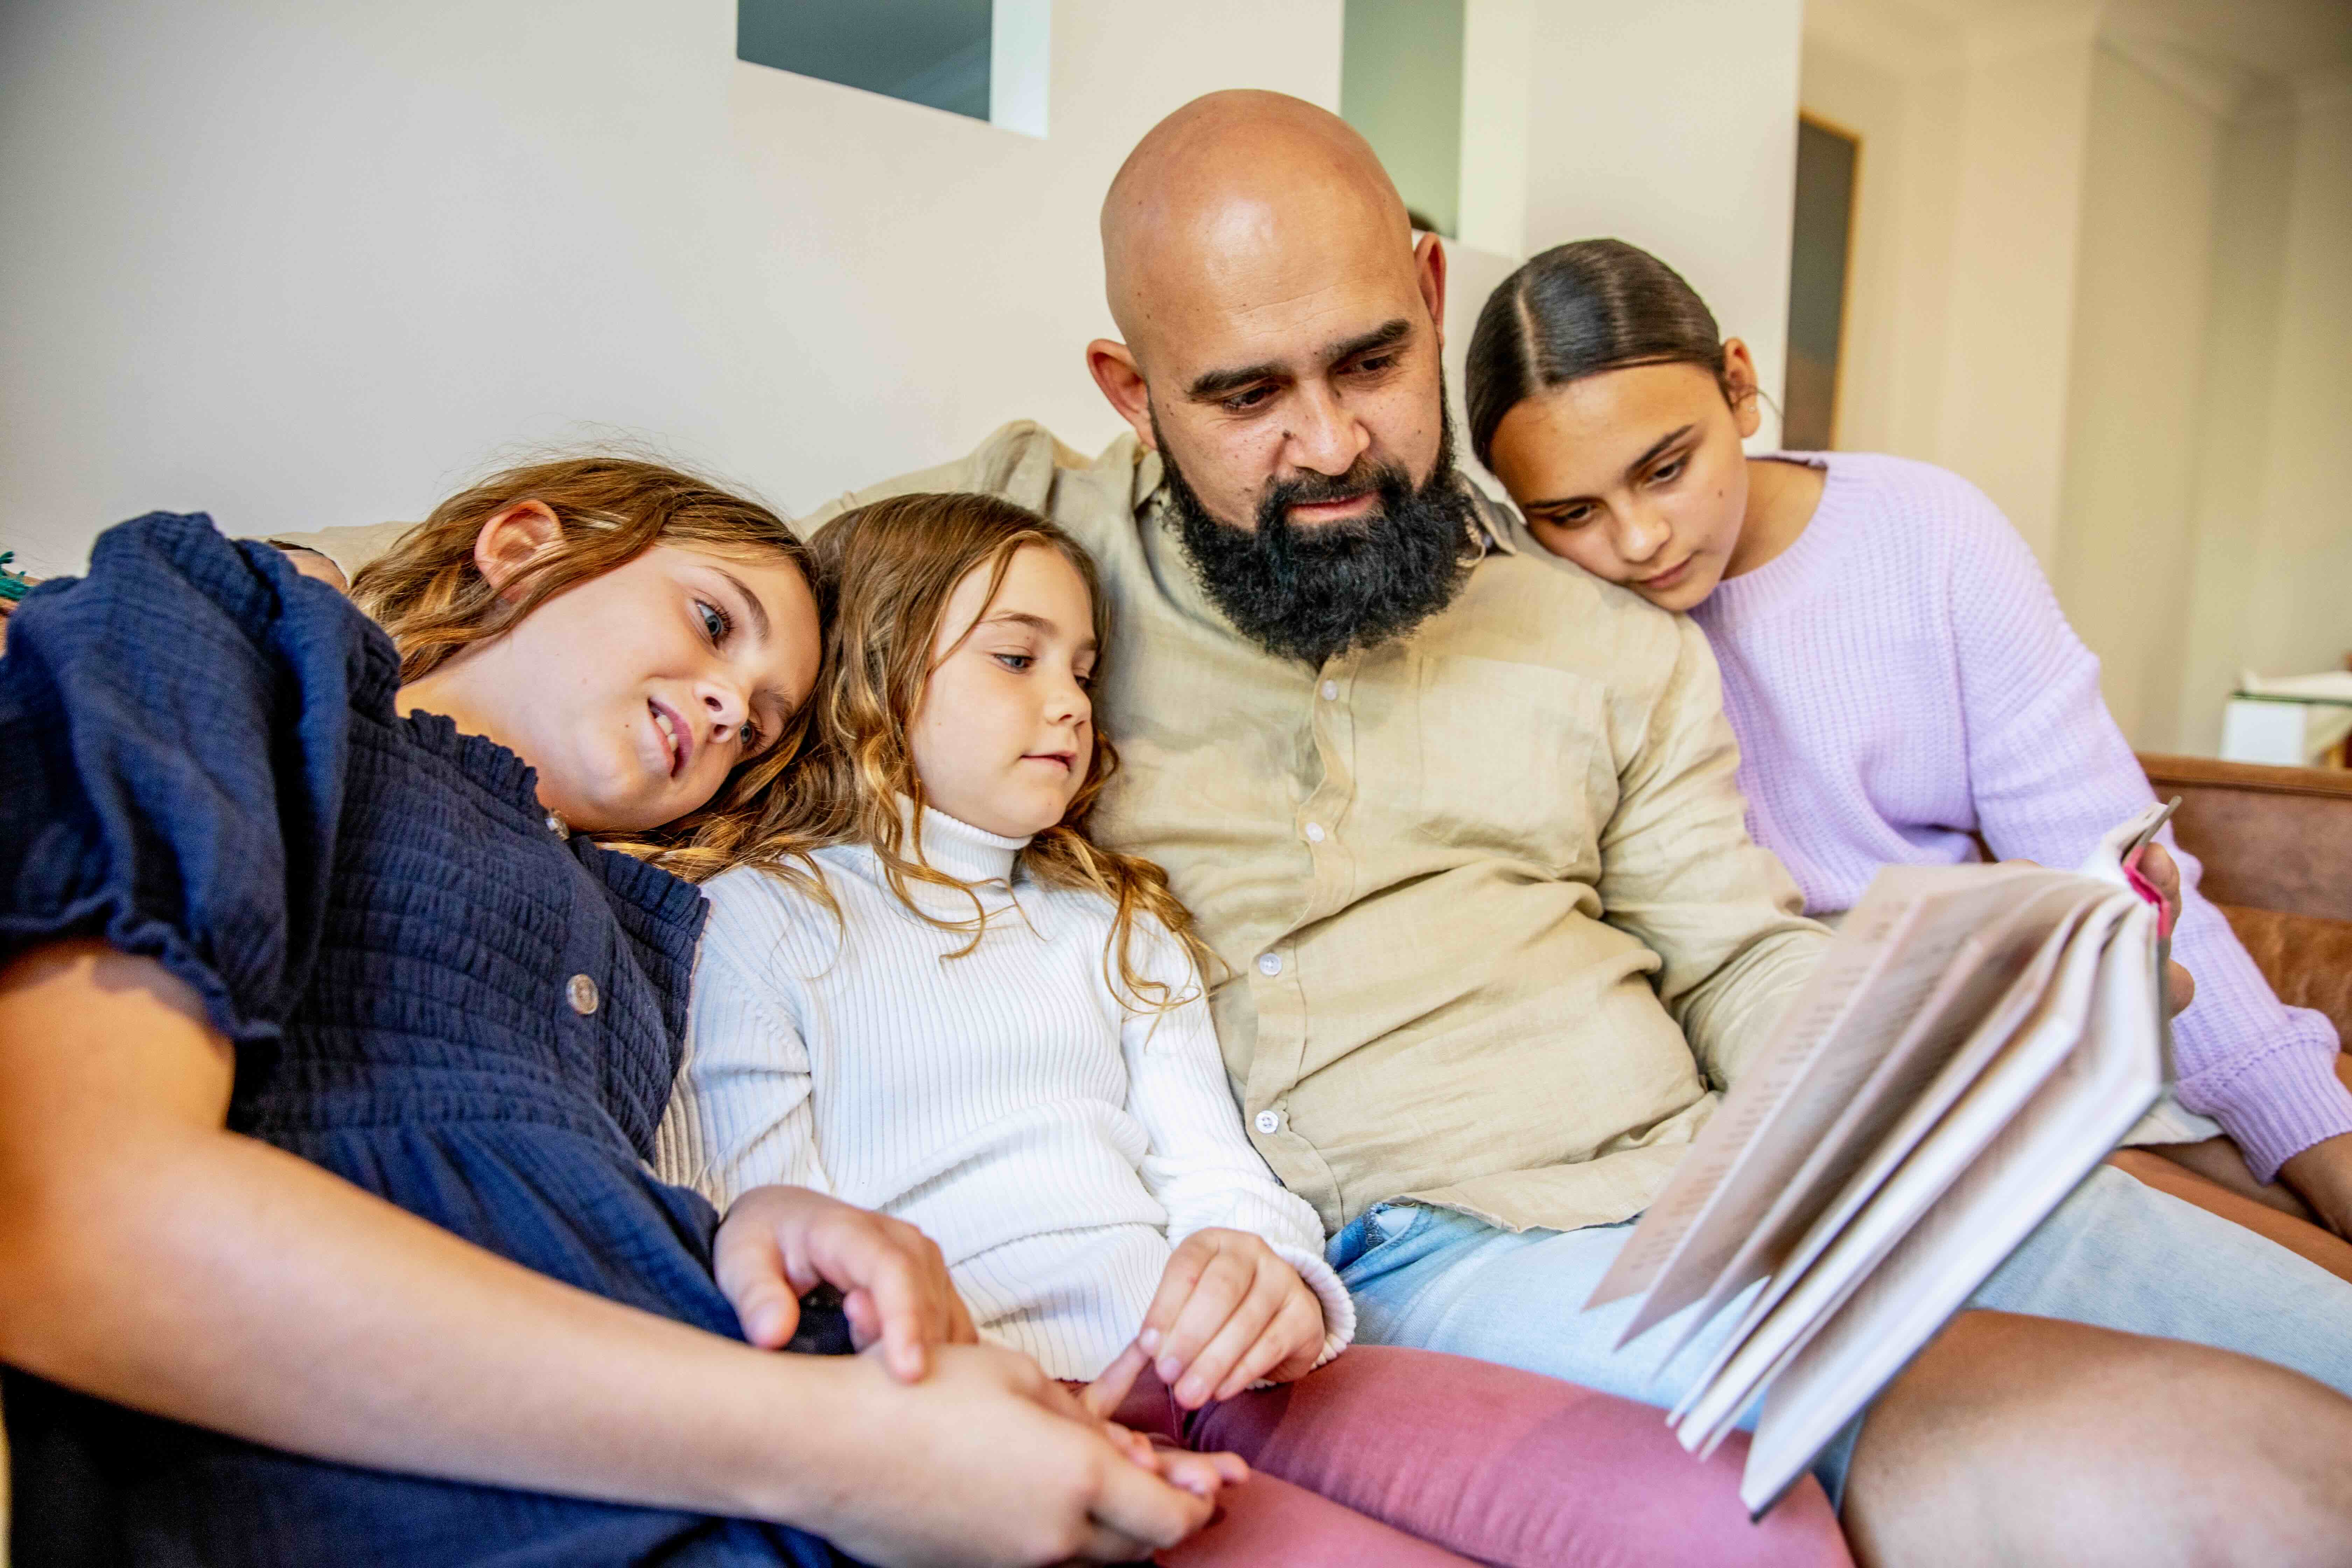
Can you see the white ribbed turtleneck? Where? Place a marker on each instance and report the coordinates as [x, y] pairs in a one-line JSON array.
[[1053, 1142]]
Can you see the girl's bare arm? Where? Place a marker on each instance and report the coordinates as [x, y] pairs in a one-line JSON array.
[[152, 1257]]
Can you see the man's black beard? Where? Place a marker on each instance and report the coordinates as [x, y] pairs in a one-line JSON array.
[[1314, 591]]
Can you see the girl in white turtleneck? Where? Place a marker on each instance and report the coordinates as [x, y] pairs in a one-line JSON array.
[[924, 991]]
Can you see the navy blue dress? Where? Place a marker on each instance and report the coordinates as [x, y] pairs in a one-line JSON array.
[[433, 991]]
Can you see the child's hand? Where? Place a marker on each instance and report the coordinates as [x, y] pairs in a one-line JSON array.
[[778, 1243], [989, 1460], [1199, 1474], [2155, 864], [1229, 1313]]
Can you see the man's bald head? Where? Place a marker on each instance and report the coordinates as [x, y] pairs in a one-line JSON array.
[[1240, 194], [1283, 337]]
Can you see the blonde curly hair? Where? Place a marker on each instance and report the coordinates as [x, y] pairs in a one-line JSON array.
[[884, 573]]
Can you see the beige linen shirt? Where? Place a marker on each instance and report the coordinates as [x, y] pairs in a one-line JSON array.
[[1491, 919], [349, 548]]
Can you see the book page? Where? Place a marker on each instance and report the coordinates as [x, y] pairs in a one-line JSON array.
[[1809, 1295], [2029, 992], [1980, 972], [2054, 1141], [1890, 952], [1770, 1077]]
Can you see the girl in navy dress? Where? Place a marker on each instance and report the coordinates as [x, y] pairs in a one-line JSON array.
[[333, 1036]]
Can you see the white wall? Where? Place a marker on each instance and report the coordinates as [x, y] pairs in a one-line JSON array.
[[2008, 337], [1670, 124], [2299, 614], [2098, 270], [2124, 563], [2272, 509], [301, 265], [1967, 224], [1899, 92]]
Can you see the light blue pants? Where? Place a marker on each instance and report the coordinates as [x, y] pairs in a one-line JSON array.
[[2116, 1254]]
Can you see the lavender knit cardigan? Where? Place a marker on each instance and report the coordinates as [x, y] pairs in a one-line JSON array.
[[1901, 677]]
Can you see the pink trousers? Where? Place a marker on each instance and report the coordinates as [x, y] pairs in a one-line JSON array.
[[1413, 1459]]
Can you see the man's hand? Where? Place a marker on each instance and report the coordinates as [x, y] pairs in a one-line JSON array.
[[1229, 1313], [778, 1243], [988, 1460], [2322, 1174]]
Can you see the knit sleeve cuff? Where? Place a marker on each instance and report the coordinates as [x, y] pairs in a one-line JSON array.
[[2277, 1105], [1339, 1307]]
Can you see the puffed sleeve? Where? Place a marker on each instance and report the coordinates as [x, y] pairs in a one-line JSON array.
[[175, 730]]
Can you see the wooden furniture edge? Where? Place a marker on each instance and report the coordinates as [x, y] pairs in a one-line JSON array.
[[2207, 772]]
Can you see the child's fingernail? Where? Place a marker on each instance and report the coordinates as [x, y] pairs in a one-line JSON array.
[[1189, 1392], [1167, 1368], [1150, 1339]]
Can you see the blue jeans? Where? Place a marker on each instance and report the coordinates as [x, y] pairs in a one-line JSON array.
[[2116, 1254]]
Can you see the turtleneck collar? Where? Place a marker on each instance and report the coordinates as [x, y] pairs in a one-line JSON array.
[[956, 847]]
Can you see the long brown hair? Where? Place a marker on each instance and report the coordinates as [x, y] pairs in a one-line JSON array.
[[427, 593], [884, 573], [1575, 310]]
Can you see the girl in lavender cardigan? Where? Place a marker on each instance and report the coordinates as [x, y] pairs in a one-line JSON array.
[[1899, 674]]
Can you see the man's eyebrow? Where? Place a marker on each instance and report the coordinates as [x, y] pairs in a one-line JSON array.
[[1388, 335], [1211, 385], [759, 611], [1638, 464]]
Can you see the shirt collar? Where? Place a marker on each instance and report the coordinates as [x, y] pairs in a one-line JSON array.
[[956, 849], [1499, 525]]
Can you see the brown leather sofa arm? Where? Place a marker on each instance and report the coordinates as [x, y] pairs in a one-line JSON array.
[[2308, 961], [2270, 839]]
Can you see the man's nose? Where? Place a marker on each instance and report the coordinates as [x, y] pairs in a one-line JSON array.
[[1324, 437]]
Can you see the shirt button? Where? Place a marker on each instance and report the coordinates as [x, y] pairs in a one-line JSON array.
[[1269, 964], [582, 992], [1330, 692], [1269, 1121], [1314, 833]]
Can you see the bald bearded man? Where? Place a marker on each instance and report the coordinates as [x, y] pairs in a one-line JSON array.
[[1460, 821]]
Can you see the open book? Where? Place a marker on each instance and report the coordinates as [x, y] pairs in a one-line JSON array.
[[1976, 1040]]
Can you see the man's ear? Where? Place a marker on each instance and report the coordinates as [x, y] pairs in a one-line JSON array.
[[510, 539], [1742, 387], [1116, 372], [1429, 266]]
